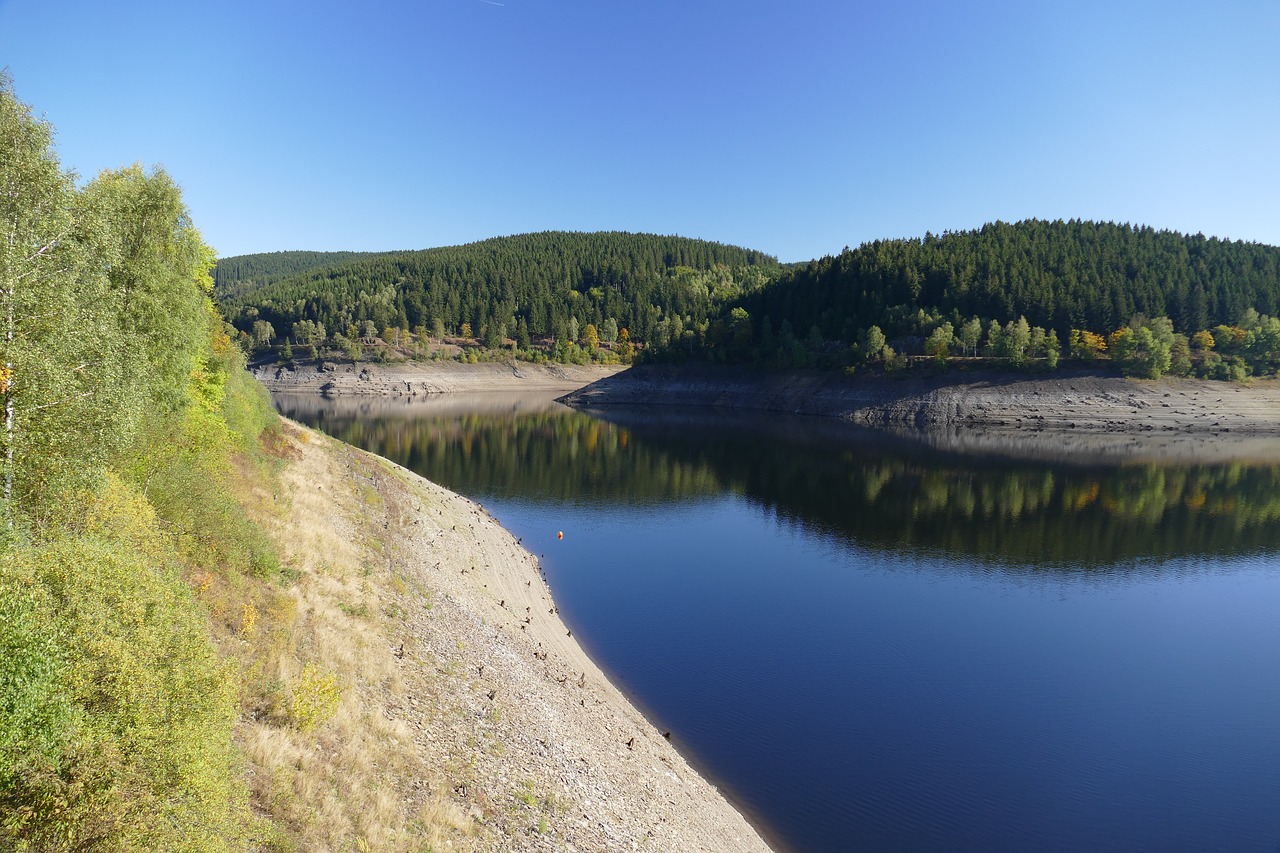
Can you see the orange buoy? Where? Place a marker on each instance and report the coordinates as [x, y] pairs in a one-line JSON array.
[[559, 534]]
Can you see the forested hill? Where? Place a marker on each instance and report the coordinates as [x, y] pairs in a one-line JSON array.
[[243, 274], [1059, 275], [545, 284]]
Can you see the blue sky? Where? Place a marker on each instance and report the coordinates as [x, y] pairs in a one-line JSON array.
[[791, 127]]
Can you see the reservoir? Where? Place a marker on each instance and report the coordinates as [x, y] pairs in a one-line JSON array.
[[869, 644]]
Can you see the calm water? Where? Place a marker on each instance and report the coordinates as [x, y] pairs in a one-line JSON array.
[[876, 647]]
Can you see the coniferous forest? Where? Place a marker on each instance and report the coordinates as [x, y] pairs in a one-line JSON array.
[[939, 295], [551, 285], [246, 273], [1019, 295]]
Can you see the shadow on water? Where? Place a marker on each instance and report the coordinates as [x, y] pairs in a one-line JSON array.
[[871, 489]]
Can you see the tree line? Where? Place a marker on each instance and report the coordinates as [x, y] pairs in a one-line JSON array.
[[1025, 294], [243, 274], [547, 287]]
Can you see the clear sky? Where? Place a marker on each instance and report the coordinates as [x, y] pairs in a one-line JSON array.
[[795, 127]]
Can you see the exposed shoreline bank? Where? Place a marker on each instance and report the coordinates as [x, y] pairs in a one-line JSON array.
[[416, 379], [1083, 402], [505, 731], [503, 722], [1068, 415]]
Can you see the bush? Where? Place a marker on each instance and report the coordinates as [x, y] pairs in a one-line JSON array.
[[315, 699], [117, 731]]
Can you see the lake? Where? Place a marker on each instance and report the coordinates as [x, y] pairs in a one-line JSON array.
[[873, 645]]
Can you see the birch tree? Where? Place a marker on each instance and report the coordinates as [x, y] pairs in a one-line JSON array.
[[37, 260]]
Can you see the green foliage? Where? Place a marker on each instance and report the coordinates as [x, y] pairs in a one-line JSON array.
[[1017, 340], [244, 274], [1180, 356], [1141, 351], [126, 402], [51, 292], [315, 699], [1052, 350], [1059, 275], [548, 281], [494, 335], [873, 343], [131, 745], [939, 343], [1262, 345], [1010, 279], [33, 666], [996, 346], [969, 335], [894, 362]]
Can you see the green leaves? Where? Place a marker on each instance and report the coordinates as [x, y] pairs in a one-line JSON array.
[[118, 731], [115, 711]]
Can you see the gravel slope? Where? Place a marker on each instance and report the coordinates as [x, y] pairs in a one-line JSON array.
[[509, 718], [1070, 414], [412, 379]]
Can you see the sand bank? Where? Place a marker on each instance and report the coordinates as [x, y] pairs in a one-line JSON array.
[[498, 717]]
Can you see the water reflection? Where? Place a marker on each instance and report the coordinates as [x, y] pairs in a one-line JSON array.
[[875, 491]]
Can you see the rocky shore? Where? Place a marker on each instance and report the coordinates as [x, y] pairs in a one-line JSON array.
[[1068, 414], [413, 379], [1086, 401], [469, 706], [470, 717]]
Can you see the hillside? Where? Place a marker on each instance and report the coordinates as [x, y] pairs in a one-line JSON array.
[[1059, 275], [466, 717], [551, 284], [1022, 293], [1016, 292], [242, 275]]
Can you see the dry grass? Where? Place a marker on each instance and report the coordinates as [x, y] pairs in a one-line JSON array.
[[355, 781]]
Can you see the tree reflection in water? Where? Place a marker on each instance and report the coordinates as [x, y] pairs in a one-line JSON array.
[[877, 492]]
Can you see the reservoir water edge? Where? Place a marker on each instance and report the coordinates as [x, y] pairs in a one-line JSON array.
[[878, 646]]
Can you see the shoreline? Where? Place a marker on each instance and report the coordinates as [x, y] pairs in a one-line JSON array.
[[421, 379], [1070, 402], [1070, 416], [504, 722], [497, 730], [1074, 415]]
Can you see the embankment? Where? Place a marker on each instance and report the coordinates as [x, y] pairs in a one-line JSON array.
[[1070, 413], [411, 379], [466, 705]]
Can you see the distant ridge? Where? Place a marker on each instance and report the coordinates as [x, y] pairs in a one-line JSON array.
[[241, 274], [1058, 274], [548, 283]]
